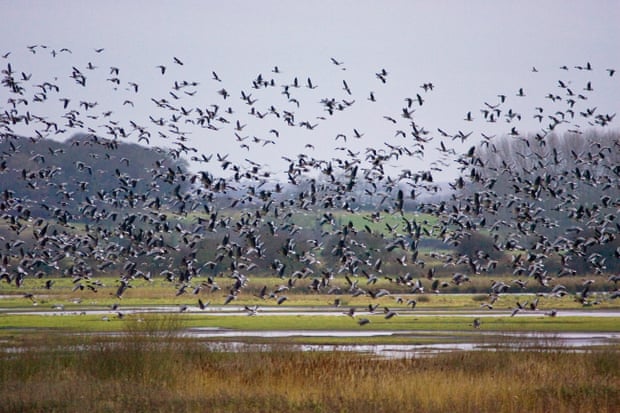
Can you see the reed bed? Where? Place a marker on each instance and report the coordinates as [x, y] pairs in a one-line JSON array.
[[152, 368]]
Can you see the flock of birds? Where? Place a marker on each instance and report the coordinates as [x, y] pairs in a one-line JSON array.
[[124, 230]]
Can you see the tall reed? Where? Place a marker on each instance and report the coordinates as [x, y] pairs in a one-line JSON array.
[[152, 367]]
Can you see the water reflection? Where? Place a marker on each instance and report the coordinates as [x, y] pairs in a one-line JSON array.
[[308, 311], [449, 341], [436, 342]]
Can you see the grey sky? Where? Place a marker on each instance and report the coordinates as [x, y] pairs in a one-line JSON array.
[[471, 51]]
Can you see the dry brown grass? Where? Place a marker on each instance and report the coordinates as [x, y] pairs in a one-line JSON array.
[[147, 370]]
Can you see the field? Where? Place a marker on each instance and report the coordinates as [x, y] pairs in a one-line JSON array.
[[151, 361]]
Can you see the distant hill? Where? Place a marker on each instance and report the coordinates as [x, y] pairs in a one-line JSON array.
[[46, 174]]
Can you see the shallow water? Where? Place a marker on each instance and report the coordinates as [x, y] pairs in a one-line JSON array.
[[491, 341], [217, 339], [309, 311], [574, 339]]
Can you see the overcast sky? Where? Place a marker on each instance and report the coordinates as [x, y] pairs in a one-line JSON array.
[[471, 51]]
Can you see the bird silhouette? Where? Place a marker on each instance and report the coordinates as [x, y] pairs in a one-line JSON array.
[[90, 207]]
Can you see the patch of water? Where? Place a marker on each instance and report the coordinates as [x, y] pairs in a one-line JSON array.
[[492, 341], [308, 311]]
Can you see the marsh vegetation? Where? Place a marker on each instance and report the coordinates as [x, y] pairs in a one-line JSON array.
[[152, 368]]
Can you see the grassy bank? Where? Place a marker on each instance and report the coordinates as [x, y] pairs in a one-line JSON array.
[[472, 295], [151, 369], [159, 291], [19, 324]]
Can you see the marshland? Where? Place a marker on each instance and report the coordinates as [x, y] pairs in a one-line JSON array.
[[144, 370], [279, 211]]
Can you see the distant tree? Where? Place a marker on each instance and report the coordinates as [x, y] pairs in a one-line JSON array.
[[553, 194]]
